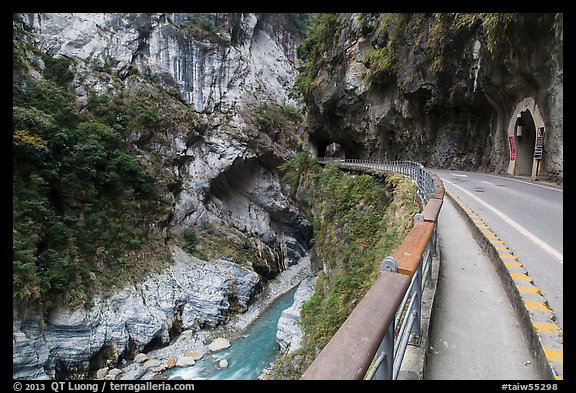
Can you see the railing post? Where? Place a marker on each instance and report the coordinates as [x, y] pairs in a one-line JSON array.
[[430, 256], [417, 288], [418, 217], [386, 349], [384, 363]]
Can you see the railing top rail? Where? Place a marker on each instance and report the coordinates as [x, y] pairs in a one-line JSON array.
[[410, 251], [345, 356]]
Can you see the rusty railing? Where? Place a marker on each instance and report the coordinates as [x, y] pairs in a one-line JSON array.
[[371, 343]]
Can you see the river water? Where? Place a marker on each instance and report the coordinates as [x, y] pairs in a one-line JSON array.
[[248, 355]]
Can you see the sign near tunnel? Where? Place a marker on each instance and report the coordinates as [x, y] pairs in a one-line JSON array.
[[539, 149], [512, 148]]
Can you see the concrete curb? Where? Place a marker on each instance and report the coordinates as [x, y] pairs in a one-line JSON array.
[[537, 319]]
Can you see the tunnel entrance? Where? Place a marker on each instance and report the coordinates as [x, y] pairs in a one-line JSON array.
[[526, 139], [332, 150]]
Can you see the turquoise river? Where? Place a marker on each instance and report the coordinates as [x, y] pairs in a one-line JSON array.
[[248, 355]]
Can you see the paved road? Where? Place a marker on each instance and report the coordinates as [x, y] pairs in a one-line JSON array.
[[475, 332], [527, 216]]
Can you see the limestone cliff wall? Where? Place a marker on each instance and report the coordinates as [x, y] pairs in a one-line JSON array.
[[221, 170], [437, 88]]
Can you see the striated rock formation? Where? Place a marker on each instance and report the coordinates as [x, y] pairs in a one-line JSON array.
[[233, 71], [191, 294], [437, 88], [212, 60]]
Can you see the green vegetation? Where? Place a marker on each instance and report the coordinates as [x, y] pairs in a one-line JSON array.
[[269, 116], [293, 170], [390, 34], [445, 25], [356, 224], [496, 26], [380, 59], [58, 69], [189, 236], [219, 242], [301, 21], [283, 124], [386, 37], [322, 32], [85, 208], [204, 27]]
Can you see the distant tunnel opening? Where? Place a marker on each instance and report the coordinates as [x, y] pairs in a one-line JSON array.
[[331, 150]]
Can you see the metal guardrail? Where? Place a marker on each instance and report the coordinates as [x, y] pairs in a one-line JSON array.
[[371, 343]]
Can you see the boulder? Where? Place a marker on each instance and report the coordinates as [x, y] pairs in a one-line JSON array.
[[219, 344], [151, 363], [114, 372], [101, 373], [194, 355], [289, 333], [140, 358], [171, 362], [185, 361]]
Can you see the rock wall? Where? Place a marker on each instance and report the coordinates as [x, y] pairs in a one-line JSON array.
[[225, 66], [447, 97], [189, 295], [289, 333], [222, 170]]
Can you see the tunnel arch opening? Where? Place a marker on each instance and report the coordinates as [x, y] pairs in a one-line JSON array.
[[525, 141], [526, 132], [332, 150]]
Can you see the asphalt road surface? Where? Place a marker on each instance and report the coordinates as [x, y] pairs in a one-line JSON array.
[[527, 216]]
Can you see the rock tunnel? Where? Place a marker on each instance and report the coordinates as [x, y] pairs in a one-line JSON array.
[[336, 148], [331, 150]]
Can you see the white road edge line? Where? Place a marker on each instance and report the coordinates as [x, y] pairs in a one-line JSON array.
[[514, 225], [524, 182]]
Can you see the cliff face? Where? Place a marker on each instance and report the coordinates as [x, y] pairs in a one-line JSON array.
[[440, 89], [234, 71], [189, 295]]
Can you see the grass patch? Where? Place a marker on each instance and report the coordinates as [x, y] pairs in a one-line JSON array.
[[358, 220]]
